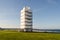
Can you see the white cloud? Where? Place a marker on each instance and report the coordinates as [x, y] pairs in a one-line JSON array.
[[52, 1]]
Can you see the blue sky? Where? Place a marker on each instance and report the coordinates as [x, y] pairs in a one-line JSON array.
[[46, 13]]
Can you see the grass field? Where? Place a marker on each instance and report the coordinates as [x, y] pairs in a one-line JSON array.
[[14, 35]]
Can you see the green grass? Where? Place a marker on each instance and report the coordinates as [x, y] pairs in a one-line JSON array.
[[14, 35]]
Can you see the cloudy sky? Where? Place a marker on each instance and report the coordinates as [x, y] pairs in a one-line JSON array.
[[46, 13]]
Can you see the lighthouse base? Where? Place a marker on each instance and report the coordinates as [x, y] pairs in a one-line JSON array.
[[26, 30]]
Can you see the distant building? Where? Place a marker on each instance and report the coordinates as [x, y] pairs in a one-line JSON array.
[[26, 19]]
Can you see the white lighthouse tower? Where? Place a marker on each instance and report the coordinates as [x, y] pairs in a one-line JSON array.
[[26, 19]]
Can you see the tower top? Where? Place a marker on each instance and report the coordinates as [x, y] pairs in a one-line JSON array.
[[26, 8]]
